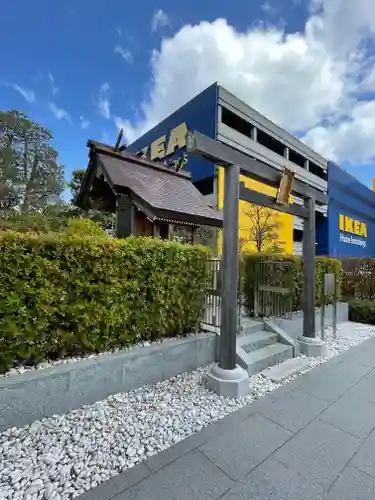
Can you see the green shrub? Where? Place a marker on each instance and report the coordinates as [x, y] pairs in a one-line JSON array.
[[292, 273], [84, 227], [35, 223], [362, 311], [65, 296], [56, 218]]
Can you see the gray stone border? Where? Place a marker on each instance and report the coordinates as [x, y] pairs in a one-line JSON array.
[[294, 327], [33, 395]]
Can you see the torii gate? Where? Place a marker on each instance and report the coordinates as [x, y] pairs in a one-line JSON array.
[[227, 378]]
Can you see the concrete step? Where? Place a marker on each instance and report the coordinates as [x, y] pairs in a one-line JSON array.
[[286, 369], [254, 341], [261, 359], [250, 325]]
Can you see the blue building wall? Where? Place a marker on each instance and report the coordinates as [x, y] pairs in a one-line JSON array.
[[199, 114], [348, 197]]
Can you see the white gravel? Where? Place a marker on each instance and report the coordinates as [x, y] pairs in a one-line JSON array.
[[59, 458]]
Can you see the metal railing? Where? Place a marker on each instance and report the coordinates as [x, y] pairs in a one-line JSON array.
[[273, 287], [211, 315], [212, 311]]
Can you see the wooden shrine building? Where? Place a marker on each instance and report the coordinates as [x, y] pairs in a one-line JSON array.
[[148, 197]]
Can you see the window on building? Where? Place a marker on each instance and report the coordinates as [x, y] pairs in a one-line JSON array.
[[236, 122], [297, 235], [205, 186], [244, 127], [296, 158], [270, 142], [318, 171]]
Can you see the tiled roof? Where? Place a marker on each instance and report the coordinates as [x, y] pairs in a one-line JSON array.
[[167, 193]]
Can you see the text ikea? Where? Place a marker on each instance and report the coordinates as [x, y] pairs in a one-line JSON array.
[[164, 146], [352, 226]]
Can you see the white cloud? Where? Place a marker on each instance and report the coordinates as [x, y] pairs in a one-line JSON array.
[[84, 122], [351, 139], [59, 113], [268, 8], [344, 25], [119, 32], [55, 89], [28, 95], [104, 106], [124, 53], [302, 81], [159, 20], [272, 72]]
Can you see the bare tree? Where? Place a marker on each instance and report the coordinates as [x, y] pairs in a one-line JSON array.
[[263, 228]]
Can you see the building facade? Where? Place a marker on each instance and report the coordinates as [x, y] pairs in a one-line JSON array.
[[349, 229], [220, 115]]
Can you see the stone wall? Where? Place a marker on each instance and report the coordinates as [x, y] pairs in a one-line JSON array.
[[33, 395], [294, 326]]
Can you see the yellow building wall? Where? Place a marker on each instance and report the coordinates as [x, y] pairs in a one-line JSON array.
[[285, 221]]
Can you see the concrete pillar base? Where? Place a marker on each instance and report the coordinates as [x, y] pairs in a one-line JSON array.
[[229, 383], [312, 346]]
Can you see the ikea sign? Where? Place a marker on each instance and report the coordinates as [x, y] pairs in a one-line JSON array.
[[166, 146], [352, 231]]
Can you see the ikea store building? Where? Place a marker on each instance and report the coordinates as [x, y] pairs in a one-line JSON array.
[[344, 228]]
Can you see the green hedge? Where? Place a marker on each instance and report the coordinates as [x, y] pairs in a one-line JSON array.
[[63, 295], [295, 268], [362, 311]]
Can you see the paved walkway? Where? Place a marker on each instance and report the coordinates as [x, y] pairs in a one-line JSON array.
[[312, 439]]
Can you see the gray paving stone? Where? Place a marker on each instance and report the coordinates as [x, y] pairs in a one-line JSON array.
[[214, 430], [349, 370], [290, 386], [117, 484], [360, 357], [273, 481], [365, 389], [355, 356], [325, 386], [353, 415], [245, 412], [294, 411], [191, 477], [319, 452], [183, 447], [278, 373], [365, 458], [333, 361], [246, 446], [364, 354], [352, 485]]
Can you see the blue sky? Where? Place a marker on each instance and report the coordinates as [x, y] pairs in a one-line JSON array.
[[84, 68]]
